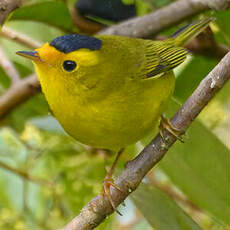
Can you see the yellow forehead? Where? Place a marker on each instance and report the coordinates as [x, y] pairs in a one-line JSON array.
[[51, 55]]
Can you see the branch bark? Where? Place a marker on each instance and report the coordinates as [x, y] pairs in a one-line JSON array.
[[26, 175], [6, 7], [163, 18], [19, 38], [96, 211], [18, 93], [9, 67]]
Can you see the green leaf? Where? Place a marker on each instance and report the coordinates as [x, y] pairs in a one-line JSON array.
[[4, 80], [160, 3], [54, 13], [128, 2], [160, 211], [200, 168], [222, 20], [190, 77], [143, 7]]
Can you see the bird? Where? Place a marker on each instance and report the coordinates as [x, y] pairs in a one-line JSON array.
[[109, 91]]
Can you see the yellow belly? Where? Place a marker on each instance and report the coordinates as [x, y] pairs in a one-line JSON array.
[[120, 119]]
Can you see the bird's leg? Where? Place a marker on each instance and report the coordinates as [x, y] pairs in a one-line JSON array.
[[165, 124], [108, 182]]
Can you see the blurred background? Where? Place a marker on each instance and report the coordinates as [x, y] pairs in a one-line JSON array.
[[46, 177]]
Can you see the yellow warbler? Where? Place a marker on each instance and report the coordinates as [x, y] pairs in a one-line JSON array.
[[109, 91]]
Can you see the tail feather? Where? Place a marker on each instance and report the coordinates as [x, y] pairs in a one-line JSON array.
[[183, 35]]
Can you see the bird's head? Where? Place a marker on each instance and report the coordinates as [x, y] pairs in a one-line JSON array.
[[67, 59]]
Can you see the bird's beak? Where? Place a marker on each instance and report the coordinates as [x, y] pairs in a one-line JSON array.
[[32, 55]]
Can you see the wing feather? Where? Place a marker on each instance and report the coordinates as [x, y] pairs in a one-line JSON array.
[[161, 57]]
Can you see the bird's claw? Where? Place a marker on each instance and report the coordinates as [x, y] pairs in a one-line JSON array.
[[166, 124], [108, 182]]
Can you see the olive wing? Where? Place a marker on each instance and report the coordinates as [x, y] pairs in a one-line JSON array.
[[162, 56]]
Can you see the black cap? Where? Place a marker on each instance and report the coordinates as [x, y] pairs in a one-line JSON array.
[[72, 42]]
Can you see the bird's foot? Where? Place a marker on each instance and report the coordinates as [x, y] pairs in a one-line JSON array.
[[166, 124], [108, 182]]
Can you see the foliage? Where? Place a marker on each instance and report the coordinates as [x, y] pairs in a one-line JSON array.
[[64, 175]]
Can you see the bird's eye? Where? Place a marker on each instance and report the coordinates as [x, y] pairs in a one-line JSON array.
[[69, 65]]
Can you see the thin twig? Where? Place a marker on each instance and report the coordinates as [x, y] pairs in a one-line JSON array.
[[165, 17], [18, 93], [8, 67], [96, 211], [25, 175], [84, 24], [20, 38]]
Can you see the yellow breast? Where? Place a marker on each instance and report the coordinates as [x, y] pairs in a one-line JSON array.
[[119, 118]]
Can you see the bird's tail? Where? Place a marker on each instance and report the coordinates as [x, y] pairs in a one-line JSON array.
[[189, 31]]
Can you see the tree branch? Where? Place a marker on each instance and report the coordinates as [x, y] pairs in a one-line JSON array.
[[19, 38], [6, 7], [18, 93], [96, 211], [165, 17], [8, 67], [25, 175]]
